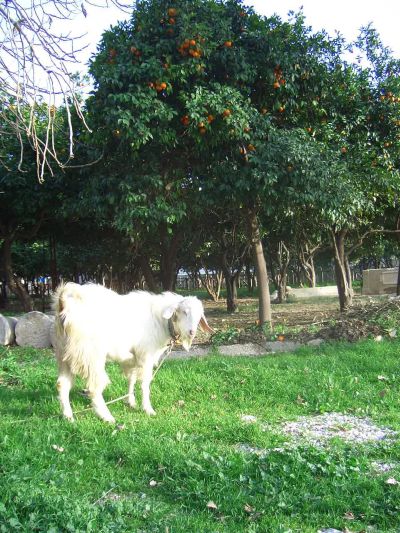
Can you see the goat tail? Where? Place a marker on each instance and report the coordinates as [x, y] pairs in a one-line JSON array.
[[75, 328]]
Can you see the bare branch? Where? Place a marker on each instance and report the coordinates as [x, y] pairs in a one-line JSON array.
[[371, 232], [36, 67]]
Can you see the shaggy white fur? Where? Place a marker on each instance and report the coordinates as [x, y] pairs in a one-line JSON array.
[[95, 325]]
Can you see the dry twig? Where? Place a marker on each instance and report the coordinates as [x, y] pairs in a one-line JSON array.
[[36, 67]]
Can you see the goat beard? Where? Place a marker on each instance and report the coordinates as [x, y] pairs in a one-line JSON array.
[[187, 343]]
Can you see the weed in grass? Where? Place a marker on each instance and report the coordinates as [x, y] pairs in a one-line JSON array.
[[226, 336]]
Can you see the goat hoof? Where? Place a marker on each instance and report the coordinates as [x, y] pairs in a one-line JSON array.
[[150, 412], [106, 418]]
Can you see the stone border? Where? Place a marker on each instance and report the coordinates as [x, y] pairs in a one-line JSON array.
[[249, 349]]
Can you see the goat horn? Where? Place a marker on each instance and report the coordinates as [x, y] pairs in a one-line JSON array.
[[204, 325]]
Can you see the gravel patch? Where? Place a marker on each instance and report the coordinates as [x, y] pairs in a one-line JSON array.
[[249, 419], [318, 430], [382, 468], [247, 449]]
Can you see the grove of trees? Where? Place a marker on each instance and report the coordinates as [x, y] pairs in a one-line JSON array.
[[224, 142]]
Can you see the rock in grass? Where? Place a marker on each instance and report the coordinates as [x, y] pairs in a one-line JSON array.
[[7, 330], [33, 329], [53, 336]]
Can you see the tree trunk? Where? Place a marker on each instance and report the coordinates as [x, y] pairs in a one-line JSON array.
[[3, 293], [231, 291], [398, 282], [342, 270], [13, 282], [306, 261], [249, 279], [148, 275], [308, 269], [264, 301], [53, 262], [168, 260], [212, 282], [283, 260]]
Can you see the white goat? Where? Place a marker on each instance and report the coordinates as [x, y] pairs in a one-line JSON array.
[[95, 325]]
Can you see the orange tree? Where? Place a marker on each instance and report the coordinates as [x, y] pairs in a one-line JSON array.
[[357, 117], [199, 104], [186, 96]]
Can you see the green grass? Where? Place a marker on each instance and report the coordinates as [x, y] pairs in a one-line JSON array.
[[101, 481]]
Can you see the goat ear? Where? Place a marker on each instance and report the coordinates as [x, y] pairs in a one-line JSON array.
[[168, 312], [204, 325]]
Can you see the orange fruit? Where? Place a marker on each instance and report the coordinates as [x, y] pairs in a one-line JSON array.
[[227, 113]]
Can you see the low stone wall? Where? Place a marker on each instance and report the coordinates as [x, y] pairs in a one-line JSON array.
[[379, 281], [313, 292]]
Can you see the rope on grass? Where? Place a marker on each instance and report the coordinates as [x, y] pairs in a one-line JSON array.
[[126, 395], [107, 403]]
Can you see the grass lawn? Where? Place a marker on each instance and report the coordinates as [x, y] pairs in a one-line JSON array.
[[185, 469]]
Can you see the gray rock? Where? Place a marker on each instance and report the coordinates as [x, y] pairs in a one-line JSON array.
[[7, 329], [241, 349], [33, 329], [315, 342], [195, 351], [285, 346], [53, 337]]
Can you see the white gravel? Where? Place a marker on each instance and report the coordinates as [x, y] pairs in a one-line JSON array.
[[382, 467], [319, 429]]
